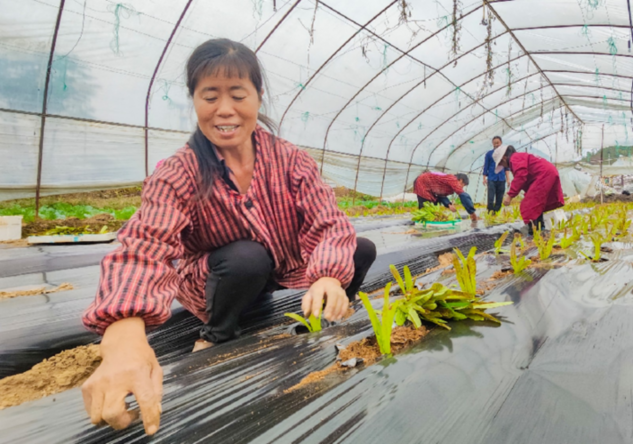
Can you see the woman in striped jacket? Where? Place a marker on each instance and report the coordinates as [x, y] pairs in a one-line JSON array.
[[244, 213]]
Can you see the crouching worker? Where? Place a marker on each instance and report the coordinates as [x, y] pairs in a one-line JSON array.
[[243, 211], [436, 187], [537, 177]]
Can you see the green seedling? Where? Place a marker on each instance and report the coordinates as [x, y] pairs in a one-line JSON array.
[[519, 239], [499, 242], [313, 324], [61, 231], [439, 304], [518, 264], [466, 270], [432, 213], [597, 240], [383, 326], [544, 246], [408, 304], [567, 241]]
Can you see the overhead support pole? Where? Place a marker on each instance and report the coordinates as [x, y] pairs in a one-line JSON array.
[[518, 42], [40, 153], [277, 25], [151, 84]]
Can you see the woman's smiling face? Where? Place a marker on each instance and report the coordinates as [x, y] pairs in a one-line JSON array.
[[227, 109]]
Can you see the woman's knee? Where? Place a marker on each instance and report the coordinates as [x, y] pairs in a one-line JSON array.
[[244, 258], [365, 251]]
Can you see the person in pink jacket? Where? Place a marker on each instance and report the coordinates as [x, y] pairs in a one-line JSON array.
[[537, 177]]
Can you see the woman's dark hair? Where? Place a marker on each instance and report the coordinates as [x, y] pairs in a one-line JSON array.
[[497, 137], [509, 152], [463, 178], [232, 59]]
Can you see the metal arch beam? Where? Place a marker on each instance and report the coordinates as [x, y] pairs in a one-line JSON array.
[[428, 161], [589, 86], [564, 71], [362, 27], [426, 109], [472, 120], [590, 25], [151, 84], [525, 144], [362, 146], [488, 3], [604, 54], [435, 103], [40, 152], [595, 97], [511, 115], [438, 126], [277, 25], [404, 53]]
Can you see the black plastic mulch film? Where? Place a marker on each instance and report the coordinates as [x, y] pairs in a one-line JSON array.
[[556, 371]]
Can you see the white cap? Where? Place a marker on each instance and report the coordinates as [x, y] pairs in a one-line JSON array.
[[497, 155]]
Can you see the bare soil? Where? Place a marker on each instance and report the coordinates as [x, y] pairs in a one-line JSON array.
[[346, 192], [499, 275], [366, 349], [62, 372], [35, 292], [95, 223], [118, 199]]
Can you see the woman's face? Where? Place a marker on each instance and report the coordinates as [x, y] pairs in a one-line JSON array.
[[227, 109]]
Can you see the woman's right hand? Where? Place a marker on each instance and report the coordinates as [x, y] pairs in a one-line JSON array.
[[128, 365]]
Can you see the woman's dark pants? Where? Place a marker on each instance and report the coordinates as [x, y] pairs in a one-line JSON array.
[[242, 271]]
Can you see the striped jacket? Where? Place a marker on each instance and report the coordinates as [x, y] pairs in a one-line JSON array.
[[432, 185], [287, 208]]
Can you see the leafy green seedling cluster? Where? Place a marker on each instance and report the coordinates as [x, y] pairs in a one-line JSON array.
[[518, 263], [437, 304], [384, 324], [466, 270], [544, 246], [499, 242], [432, 213]]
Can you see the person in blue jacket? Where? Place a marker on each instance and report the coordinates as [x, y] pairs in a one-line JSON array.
[[496, 182]]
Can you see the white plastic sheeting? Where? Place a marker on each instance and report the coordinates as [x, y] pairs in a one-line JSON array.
[[401, 85]]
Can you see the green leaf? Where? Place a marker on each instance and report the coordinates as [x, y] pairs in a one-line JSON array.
[[401, 317], [414, 318], [375, 323], [396, 275], [408, 280], [301, 319]]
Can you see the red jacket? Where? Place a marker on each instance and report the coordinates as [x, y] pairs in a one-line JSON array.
[[287, 208], [430, 186], [541, 183]]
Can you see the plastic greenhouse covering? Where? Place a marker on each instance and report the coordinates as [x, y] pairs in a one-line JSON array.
[[93, 96]]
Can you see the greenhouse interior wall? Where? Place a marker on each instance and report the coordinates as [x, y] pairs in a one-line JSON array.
[[376, 91]]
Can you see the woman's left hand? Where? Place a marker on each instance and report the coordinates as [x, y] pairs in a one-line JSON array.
[[507, 200], [336, 299]]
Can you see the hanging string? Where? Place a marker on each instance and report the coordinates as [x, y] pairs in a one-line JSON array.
[[120, 10]]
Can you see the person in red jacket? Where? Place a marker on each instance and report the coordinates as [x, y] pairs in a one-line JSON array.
[[436, 187], [537, 177], [243, 212]]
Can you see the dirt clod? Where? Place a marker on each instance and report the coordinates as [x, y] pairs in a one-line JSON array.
[[61, 372]]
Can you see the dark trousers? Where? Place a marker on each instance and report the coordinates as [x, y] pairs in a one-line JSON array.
[[496, 190], [442, 201], [537, 223], [242, 271]]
